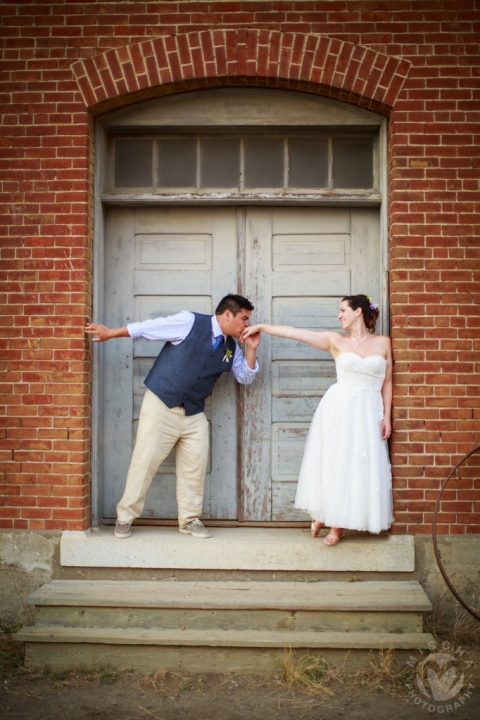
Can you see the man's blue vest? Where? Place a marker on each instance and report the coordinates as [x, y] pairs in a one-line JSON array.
[[185, 374]]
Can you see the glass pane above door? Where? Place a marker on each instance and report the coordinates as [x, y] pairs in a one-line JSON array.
[[263, 163], [177, 162], [242, 163], [220, 162], [308, 162], [353, 163], [133, 163]]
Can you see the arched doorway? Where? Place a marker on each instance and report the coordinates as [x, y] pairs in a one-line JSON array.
[[275, 194]]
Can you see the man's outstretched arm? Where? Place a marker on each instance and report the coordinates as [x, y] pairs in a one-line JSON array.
[[173, 328]]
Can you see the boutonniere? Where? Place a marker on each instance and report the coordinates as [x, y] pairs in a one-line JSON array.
[[227, 356]]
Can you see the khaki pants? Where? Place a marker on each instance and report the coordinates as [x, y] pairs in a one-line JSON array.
[[159, 430]]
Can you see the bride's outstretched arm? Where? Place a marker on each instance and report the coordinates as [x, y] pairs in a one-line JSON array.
[[322, 340]]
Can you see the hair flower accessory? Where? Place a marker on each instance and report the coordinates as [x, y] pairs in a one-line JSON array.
[[373, 306]]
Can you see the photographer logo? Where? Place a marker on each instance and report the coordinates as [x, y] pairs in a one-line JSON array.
[[441, 680]]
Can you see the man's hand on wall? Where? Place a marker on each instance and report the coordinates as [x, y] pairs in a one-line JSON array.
[[105, 333]]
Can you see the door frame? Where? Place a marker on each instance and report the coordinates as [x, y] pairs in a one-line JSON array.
[[101, 200]]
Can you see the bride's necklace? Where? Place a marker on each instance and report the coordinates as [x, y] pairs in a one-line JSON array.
[[356, 341]]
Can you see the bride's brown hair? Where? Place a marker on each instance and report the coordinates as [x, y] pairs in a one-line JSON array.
[[369, 309]]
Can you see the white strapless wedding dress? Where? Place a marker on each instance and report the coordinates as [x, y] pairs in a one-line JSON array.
[[345, 477]]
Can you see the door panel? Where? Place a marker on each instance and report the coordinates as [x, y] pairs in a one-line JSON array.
[[299, 265], [161, 261]]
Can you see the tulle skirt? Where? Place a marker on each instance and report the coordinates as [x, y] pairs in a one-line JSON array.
[[345, 477]]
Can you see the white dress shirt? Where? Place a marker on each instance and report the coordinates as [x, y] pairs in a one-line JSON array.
[[175, 329]]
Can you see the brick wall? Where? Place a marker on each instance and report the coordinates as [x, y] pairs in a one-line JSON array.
[[60, 59]]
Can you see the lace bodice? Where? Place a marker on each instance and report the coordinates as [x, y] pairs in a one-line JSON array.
[[363, 373]]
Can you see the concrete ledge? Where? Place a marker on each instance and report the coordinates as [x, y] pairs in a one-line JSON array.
[[271, 549]]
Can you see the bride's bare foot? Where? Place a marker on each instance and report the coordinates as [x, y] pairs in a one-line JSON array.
[[316, 527], [334, 536]]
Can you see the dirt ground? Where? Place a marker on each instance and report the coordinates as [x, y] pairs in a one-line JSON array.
[[210, 697], [103, 694]]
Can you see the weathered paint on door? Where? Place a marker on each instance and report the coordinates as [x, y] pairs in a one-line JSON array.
[[158, 262], [298, 264]]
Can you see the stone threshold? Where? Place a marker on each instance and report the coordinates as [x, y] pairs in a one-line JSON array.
[[270, 549]]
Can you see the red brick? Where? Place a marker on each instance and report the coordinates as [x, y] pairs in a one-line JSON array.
[[433, 195]]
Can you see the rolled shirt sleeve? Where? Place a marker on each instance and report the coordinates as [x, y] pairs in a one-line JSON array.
[[242, 372]]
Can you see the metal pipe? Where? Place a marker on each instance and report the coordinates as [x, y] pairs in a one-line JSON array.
[[434, 535]]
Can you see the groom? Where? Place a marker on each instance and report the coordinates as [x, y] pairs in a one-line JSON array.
[[198, 349]]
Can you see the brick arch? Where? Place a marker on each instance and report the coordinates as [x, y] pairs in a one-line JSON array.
[[263, 58]]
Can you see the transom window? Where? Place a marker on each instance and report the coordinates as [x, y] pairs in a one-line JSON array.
[[244, 162]]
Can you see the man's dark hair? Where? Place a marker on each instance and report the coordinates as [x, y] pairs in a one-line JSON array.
[[234, 303]]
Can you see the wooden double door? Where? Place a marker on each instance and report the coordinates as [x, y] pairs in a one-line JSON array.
[[295, 265]]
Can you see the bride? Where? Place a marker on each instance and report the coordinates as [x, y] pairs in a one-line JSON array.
[[345, 477]]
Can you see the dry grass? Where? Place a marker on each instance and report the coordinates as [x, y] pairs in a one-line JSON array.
[[309, 673], [314, 675], [455, 632], [74, 678], [451, 623], [11, 652], [384, 673], [163, 683], [12, 665]]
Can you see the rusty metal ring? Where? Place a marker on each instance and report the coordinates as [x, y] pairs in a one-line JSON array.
[[434, 535]]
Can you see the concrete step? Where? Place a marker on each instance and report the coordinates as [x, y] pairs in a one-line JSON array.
[[244, 548], [168, 625]]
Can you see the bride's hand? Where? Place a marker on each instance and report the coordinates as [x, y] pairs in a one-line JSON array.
[[386, 429], [249, 331]]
